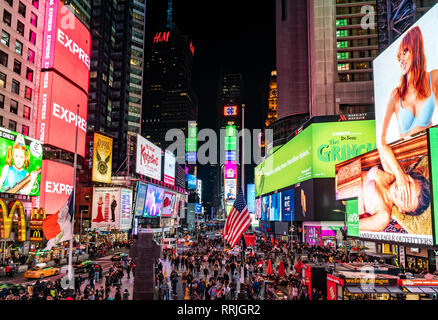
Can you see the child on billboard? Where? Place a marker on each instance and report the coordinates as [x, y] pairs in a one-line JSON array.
[[14, 177]]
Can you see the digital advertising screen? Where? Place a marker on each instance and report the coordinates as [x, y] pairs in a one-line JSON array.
[[102, 158], [404, 107], [56, 185], [154, 201], [393, 191], [230, 155], [21, 159], [168, 203], [58, 114], [230, 186], [191, 181], [66, 44], [230, 111], [106, 208], [287, 205], [140, 199], [169, 168], [304, 204], [230, 170], [125, 209], [314, 153], [352, 218], [148, 161], [258, 208], [433, 147], [271, 207], [250, 197]]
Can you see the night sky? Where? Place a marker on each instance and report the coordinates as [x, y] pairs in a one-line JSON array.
[[235, 35]]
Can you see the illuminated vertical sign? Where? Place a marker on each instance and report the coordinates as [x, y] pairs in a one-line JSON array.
[[230, 170]]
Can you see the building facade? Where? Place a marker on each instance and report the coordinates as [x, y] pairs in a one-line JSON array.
[[20, 55]]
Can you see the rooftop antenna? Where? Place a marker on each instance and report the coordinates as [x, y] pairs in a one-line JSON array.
[[169, 15]]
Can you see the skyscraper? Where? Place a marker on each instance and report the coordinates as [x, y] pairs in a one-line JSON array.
[[20, 55], [116, 74], [81, 9]]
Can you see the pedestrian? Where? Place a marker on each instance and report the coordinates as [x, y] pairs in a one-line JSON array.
[[126, 295], [96, 273], [165, 289], [118, 295]]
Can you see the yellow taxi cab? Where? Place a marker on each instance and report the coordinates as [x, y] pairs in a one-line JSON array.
[[41, 271]]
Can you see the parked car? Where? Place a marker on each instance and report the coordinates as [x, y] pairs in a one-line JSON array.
[[14, 287], [41, 271], [118, 256], [84, 266]]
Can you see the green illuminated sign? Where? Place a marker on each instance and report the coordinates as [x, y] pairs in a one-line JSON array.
[[230, 143], [193, 132], [230, 131], [314, 153], [433, 143], [352, 217], [191, 144]]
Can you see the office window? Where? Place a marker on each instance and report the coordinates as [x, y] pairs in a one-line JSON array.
[[341, 22], [32, 37], [5, 38], [28, 93], [343, 55], [342, 44], [7, 17], [22, 9], [1, 121], [33, 19], [342, 33], [17, 66], [14, 106], [25, 130], [20, 28], [26, 113], [10, 2], [36, 3], [2, 101], [3, 58], [15, 87], [31, 55], [29, 74], [2, 80], [18, 47], [12, 125]]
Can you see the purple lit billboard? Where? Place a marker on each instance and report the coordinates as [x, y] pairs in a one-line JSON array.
[[154, 201]]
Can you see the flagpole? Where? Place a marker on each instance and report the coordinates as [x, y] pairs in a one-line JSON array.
[[70, 253], [242, 182]]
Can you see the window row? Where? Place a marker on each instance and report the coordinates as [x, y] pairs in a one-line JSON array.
[[15, 87], [7, 19], [13, 107], [5, 39], [12, 125], [17, 66]]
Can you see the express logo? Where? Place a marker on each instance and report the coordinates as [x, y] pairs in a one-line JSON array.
[[73, 48], [59, 188], [68, 116]]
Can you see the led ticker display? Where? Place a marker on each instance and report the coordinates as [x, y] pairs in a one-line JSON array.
[[57, 116], [230, 111], [66, 44]]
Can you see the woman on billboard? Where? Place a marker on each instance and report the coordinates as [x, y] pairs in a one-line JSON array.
[[414, 100], [14, 177], [381, 192]]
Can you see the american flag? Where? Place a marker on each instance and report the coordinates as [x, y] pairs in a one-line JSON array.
[[237, 222]]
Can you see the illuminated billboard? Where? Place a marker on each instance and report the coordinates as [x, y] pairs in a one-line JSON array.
[[433, 147], [250, 197], [271, 207], [125, 209], [66, 44], [154, 201], [57, 113], [404, 107], [230, 111], [21, 161], [191, 182], [148, 161], [313, 154], [230, 186], [230, 170], [393, 192], [105, 208], [287, 205], [56, 185], [140, 199], [258, 208], [168, 204], [169, 168], [102, 158]]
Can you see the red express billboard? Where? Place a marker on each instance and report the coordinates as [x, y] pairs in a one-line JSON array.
[[56, 124], [56, 185], [66, 44]]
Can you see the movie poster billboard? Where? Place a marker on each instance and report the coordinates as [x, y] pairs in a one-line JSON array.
[[140, 199], [392, 186], [106, 208], [125, 209], [21, 159], [148, 162], [406, 82], [271, 207], [287, 205], [102, 158], [154, 201]]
